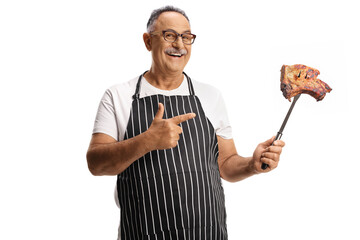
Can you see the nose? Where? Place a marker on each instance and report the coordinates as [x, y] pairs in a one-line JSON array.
[[178, 43]]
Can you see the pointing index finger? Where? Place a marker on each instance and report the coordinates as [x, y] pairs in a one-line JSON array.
[[182, 118]]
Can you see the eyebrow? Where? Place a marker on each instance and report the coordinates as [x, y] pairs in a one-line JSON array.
[[187, 31]]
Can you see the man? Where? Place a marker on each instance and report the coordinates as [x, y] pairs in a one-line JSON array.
[[168, 140]]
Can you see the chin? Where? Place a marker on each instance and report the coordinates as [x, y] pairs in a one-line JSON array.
[[176, 68], [180, 69]]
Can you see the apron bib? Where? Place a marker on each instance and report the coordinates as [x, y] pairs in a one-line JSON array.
[[174, 193]]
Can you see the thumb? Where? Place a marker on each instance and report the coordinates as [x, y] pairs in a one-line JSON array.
[[160, 112], [269, 141]]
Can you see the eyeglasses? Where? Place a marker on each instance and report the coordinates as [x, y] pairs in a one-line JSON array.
[[172, 36]]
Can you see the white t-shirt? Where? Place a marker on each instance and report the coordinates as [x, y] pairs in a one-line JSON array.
[[114, 109]]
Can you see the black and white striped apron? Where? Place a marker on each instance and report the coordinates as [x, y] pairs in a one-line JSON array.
[[174, 193]]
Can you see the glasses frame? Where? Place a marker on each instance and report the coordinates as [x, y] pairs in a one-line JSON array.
[[177, 36]]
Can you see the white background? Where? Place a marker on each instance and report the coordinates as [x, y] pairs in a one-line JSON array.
[[58, 57]]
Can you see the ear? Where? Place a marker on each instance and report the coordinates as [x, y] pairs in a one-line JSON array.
[[147, 41]]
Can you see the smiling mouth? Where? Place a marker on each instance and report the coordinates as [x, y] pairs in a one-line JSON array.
[[175, 54]]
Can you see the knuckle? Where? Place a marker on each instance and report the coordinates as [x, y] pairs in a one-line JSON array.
[[179, 129], [174, 144]]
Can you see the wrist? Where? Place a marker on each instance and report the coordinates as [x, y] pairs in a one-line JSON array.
[[251, 168], [148, 141]]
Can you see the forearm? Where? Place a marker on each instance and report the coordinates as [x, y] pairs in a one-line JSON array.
[[114, 158], [236, 168]]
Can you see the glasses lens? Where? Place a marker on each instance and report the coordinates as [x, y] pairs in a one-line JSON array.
[[170, 36], [188, 38]]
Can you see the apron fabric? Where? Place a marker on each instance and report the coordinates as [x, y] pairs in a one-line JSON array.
[[174, 193]]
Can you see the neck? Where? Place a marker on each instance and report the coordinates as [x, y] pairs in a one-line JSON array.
[[164, 81]]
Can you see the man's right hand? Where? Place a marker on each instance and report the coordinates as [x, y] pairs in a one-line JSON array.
[[107, 156], [165, 133]]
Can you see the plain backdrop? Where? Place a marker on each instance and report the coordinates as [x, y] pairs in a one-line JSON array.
[[58, 57]]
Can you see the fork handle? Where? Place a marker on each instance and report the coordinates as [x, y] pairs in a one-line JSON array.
[[278, 137]]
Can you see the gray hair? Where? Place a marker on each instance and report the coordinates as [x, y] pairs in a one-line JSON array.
[[156, 13]]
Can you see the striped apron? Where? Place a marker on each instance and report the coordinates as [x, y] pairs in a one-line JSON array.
[[174, 193]]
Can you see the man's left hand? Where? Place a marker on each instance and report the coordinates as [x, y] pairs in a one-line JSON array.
[[265, 153]]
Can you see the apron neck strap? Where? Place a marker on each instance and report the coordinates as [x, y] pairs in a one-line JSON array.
[[137, 91], [191, 87]]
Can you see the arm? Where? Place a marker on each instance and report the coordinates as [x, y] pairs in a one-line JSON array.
[[106, 156], [235, 168]]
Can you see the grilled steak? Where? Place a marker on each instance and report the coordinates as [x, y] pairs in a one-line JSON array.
[[298, 78]]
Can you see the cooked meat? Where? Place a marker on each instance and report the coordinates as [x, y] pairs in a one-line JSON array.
[[298, 78]]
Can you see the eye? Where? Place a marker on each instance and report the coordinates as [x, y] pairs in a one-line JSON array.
[[170, 35], [299, 74]]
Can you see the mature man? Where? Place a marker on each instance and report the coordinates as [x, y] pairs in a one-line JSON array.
[[168, 140]]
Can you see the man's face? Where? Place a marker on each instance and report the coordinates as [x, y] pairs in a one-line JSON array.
[[163, 59]]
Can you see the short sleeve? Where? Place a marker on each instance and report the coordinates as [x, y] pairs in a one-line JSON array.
[[221, 119], [214, 107], [105, 121]]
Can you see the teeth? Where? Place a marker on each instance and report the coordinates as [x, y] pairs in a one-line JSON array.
[[175, 54]]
